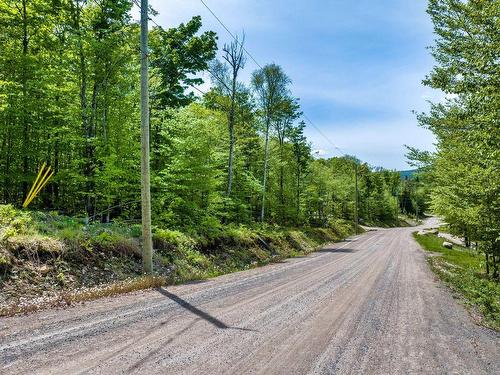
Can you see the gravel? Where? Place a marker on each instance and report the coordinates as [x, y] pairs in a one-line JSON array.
[[367, 305]]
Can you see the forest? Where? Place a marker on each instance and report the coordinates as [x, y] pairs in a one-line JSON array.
[[463, 175], [237, 154], [235, 182], [163, 195]]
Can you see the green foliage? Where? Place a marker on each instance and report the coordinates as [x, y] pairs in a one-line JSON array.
[[176, 55], [13, 222], [464, 171], [109, 241], [463, 270], [69, 75]]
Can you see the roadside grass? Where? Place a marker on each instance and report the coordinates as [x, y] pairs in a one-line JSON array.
[[463, 270], [49, 260]]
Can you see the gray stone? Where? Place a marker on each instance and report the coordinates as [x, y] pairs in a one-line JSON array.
[[448, 245]]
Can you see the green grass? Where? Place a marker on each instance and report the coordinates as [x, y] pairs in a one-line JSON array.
[[44, 255], [463, 270]]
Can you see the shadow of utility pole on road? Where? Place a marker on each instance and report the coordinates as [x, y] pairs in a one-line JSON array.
[[202, 314]]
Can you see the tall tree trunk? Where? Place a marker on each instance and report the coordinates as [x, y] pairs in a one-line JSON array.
[[298, 192], [264, 180], [56, 168], [282, 176], [8, 153], [90, 152], [231, 137], [83, 106], [487, 260], [495, 254], [24, 114]]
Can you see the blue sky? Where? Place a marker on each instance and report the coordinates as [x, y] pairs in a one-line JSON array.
[[356, 66]]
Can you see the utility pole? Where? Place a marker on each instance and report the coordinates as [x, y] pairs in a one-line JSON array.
[[356, 220], [147, 242], [396, 195]]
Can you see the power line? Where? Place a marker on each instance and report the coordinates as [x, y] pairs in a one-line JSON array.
[[136, 2], [260, 66], [338, 149], [341, 152], [197, 89], [232, 35]]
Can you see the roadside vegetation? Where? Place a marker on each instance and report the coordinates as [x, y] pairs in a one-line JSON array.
[[462, 176], [235, 183], [464, 271], [47, 259]]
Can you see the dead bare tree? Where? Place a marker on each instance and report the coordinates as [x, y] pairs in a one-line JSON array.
[[226, 78]]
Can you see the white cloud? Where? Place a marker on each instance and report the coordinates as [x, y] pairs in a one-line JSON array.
[[331, 51], [380, 143]]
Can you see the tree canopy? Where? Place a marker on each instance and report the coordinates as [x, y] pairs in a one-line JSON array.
[[464, 171], [69, 96]]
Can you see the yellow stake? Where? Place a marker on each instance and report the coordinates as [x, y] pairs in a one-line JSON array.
[[38, 185], [34, 184], [42, 183]]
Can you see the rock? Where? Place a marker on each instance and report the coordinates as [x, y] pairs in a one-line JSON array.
[[44, 269], [448, 245]]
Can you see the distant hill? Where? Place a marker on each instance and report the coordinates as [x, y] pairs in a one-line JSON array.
[[408, 175]]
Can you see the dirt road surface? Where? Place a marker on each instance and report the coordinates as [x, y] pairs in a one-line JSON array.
[[368, 305]]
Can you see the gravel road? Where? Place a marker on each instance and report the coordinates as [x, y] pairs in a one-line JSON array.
[[368, 305]]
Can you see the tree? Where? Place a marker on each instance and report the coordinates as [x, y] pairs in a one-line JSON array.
[[287, 111], [271, 86], [302, 154], [466, 190], [69, 97], [226, 77], [178, 54]]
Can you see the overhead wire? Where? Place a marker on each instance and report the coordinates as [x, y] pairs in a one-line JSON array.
[[320, 132], [232, 35], [336, 148]]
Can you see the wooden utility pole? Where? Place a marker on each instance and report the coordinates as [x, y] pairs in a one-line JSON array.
[[356, 220], [147, 242]]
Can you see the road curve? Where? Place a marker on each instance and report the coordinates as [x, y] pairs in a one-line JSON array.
[[367, 305]]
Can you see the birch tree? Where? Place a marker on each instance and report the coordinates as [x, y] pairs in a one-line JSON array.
[[271, 86]]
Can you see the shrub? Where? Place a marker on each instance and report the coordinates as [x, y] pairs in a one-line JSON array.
[[165, 240], [239, 236], [299, 241], [13, 222], [117, 243], [34, 246], [5, 259], [341, 227]]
